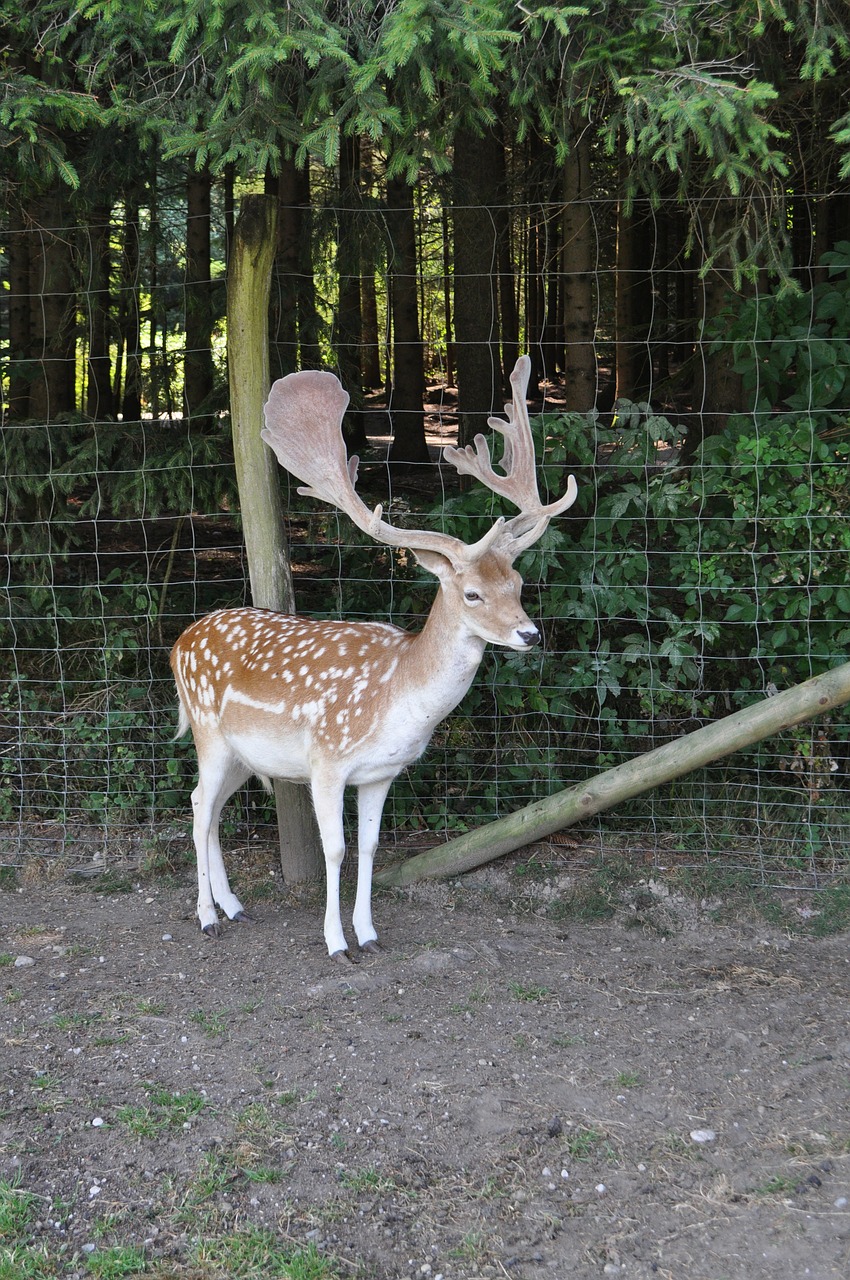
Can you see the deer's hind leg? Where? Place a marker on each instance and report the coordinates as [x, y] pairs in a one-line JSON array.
[[220, 773]]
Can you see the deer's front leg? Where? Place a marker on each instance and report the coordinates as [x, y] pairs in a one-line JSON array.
[[370, 807], [327, 791]]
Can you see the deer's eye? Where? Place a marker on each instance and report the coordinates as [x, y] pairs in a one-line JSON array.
[[471, 597]]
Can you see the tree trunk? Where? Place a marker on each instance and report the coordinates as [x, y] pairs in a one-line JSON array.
[[535, 297], [17, 405], [292, 311], [476, 311], [348, 319], [633, 304], [52, 343], [717, 387], [673, 760], [408, 378], [100, 402], [248, 286], [129, 314], [198, 322], [579, 257], [507, 271], [447, 299], [370, 343]]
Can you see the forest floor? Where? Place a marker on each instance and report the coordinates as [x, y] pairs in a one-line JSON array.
[[508, 1090]]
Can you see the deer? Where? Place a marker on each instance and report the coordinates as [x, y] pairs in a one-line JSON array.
[[333, 704]]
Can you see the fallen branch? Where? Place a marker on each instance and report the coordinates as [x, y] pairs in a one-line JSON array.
[[693, 751]]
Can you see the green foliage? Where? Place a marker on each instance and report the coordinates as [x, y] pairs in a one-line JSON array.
[[669, 595], [792, 348]]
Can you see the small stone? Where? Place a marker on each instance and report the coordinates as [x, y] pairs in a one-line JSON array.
[[24, 962], [94, 1191], [98, 1122], [601, 1188], [841, 1202], [703, 1135], [166, 937]]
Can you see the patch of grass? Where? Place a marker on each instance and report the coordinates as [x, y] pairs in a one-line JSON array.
[[597, 895], [121, 1260], [44, 1080], [534, 869], [263, 1174], [471, 1248], [476, 999], [532, 993], [67, 1021], [213, 1025], [582, 1143], [778, 1185], [833, 911], [150, 1008], [363, 1181], [6, 959], [17, 1209], [166, 1111], [213, 1176], [257, 1121], [255, 1253], [114, 882], [628, 1080], [27, 1262], [566, 1041]]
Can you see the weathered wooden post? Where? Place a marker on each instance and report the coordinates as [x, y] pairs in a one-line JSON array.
[[673, 760], [257, 475]]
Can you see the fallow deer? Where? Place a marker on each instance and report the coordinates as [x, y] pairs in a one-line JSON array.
[[333, 704]]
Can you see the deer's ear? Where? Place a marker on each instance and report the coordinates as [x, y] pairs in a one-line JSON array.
[[438, 564]]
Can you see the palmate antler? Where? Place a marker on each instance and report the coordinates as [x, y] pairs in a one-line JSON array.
[[304, 415], [519, 482]]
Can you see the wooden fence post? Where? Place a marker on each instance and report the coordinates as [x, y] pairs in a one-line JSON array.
[[257, 475], [673, 760]]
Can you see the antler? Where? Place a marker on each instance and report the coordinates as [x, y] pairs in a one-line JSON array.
[[303, 415], [519, 483]]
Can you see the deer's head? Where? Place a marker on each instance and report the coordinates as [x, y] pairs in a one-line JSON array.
[[304, 415]]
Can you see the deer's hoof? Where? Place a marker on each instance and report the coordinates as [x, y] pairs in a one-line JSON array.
[[212, 931], [344, 958], [372, 948], [245, 917]]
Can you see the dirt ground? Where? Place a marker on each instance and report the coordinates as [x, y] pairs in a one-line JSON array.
[[501, 1092]]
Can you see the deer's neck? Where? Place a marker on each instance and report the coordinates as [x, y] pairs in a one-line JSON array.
[[442, 660]]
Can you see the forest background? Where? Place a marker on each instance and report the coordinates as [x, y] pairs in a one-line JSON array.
[[649, 198]]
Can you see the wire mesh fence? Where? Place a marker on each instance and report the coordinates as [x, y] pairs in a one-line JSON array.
[[704, 565]]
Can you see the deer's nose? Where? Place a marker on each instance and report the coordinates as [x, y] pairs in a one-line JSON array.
[[529, 638]]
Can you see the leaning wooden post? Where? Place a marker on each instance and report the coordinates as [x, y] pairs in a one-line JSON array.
[[565, 808], [248, 286]]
